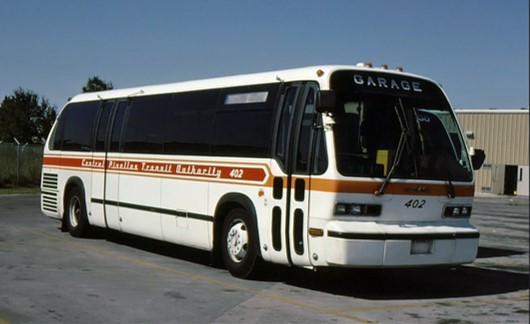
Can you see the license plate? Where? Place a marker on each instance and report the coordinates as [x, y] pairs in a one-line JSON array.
[[421, 247]]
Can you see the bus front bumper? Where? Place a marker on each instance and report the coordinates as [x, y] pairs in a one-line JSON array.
[[381, 245]]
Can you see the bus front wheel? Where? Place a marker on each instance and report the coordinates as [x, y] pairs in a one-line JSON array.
[[76, 216], [239, 246]]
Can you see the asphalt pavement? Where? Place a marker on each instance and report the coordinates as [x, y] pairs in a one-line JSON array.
[[47, 276]]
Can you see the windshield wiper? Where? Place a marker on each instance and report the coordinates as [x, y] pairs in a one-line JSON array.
[[399, 152], [452, 192], [420, 130]]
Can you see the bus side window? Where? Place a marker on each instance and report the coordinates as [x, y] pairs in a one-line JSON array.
[[304, 140], [189, 122], [57, 135], [143, 132], [321, 153], [103, 123], [76, 126], [307, 143], [117, 124], [284, 126], [243, 121]]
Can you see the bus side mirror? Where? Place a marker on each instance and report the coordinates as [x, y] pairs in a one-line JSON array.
[[326, 101], [477, 158]]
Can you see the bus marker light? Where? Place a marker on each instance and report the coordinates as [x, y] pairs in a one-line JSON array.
[[316, 231]]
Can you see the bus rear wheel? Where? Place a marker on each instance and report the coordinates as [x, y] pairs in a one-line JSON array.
[[76, 216], [239, 247]]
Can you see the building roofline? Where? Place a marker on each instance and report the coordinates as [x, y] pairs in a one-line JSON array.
[[493, 111]]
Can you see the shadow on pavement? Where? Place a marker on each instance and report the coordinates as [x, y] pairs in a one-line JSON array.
[[376, 284], [486, 252], [395, 284]]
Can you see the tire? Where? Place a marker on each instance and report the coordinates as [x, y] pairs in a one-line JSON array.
[[239, 244], [76, 215]]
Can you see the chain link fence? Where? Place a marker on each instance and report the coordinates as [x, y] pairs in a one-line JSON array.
[[20, 164]]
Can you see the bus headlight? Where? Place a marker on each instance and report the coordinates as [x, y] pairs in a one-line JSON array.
[[457, 211], [354, 209]]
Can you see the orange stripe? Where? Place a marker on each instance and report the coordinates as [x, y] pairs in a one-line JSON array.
[[258, 174], [63, 161], [370, 187], [230, 172]]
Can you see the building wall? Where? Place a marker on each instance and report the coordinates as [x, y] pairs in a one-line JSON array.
[[503, 135]]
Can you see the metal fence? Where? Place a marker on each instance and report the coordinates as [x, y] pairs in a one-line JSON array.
[[20, 164]]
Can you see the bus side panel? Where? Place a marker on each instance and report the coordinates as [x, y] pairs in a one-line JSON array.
[[185, 213], [139, 205], [321, 207]]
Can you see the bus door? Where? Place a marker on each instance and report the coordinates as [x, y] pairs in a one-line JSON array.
[[294, 150], [104, 183], [98, 163]]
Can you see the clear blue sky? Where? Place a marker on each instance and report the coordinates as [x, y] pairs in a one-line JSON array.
[[477, 49]]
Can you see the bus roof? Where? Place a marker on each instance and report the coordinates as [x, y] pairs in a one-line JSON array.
[[319, 74]]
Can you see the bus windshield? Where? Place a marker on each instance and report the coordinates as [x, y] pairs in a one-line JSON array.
[[389, 125]]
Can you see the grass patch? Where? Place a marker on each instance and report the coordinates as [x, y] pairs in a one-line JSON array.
[[19, 190]]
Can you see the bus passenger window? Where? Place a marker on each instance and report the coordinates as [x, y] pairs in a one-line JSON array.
[[76, 125], [143, 133], [101, 133], [243, 121], [189, 123], [117, 127]]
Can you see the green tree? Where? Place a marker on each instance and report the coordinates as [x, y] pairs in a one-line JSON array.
[[26, 117], [96, 84]]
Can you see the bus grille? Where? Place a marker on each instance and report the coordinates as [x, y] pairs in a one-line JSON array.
[[49, 192]]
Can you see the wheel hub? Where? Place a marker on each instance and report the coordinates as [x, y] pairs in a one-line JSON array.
[[75, 211], [237, 241]]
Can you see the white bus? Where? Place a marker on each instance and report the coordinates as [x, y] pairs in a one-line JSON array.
[[327, 166]]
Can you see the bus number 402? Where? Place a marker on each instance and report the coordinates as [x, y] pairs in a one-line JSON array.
[[236, 173], [415, 203]]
